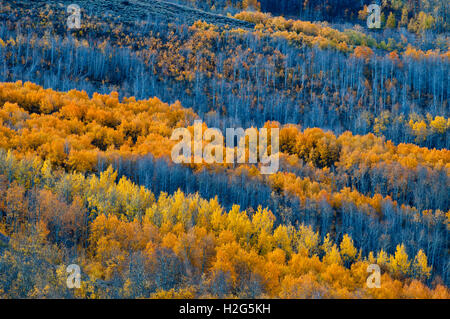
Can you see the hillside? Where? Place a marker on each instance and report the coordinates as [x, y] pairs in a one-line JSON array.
[[133, 146], [131, 11]]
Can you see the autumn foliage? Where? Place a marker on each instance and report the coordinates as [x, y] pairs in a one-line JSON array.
[[87, 177]]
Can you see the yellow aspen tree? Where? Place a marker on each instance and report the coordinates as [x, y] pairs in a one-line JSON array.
[[348, 250], [420, 266], [333, 256], [382, 258], [400, 263], [391, 23], [282, 239], [307, 241], [327, 244]]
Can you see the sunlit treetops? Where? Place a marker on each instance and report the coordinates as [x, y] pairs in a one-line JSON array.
[[194, 236], [60, 126], [70, 128], [73, 131], [210, 65], [368, 199], [324, 149], [323, 36]]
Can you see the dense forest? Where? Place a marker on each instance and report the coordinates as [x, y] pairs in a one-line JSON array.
[[239, 78], [86, 177]]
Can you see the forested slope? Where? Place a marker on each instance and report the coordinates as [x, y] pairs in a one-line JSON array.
[[176, 247], [74, 132], [132, 11], [241, 78], [86, 177]]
